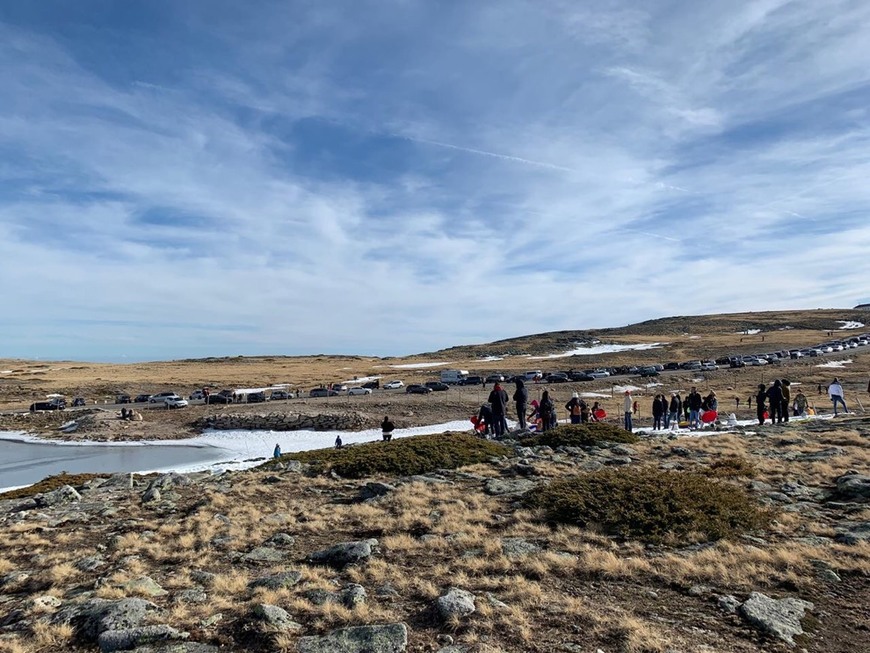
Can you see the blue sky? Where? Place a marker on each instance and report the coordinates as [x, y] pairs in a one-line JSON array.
[[182, 179]]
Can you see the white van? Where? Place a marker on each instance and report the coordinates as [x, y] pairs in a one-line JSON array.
[[453, 377]]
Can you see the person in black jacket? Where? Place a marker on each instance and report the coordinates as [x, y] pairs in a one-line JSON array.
[[484, 416], [547, 411], [521, 398], [786, 399], [387, 428], [573, 408], [672, 418], [498, 399], [658, 411], [774, 396], [694, 401], [760, 398]]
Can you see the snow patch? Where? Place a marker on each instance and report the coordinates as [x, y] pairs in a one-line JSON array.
[[850, 325], [623, 388], [595, 349], [489, 359], [363, 379], [594, 395], [417, 366], [836, 364], [749, 332]]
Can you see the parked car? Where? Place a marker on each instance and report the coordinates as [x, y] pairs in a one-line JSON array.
[[709, 366], [437, 386], [141, 399], [372, 385], [160, 397], [279, 395], [322, 392], [557, 377], [417, 389], [78, 401], [57, 403], [753, 361], [394, 385], [219, 399], [359, 391], [175, 402], [123, 399], [531, 375], [580, 376], [472, 380], [197, 394], [256, 397], [648, 371], [495, 378], [672, 366], [339, 387]]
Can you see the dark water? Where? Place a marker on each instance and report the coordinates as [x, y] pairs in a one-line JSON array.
[[23, 463]]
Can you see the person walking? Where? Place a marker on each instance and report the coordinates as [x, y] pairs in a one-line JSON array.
[[547, 411], [387, 428], [672, 420], [774, 396], [658, 411], [760, 398], [521, 398], [835, 392], [573, 408], [498, 399], [627, 406], [786, 399]]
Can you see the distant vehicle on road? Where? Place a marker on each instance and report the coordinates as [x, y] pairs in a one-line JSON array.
[[279, 395], [160, 397], [437, 386], [123, 399], [339, 387], [495, 378], [256, 397], [416, 389], [197, 394], [322, 392], [141, 399], [52, 404], [219, 399], [359, 391], [78, 401], [372, 385], [453, 377], [648, 371], [394, 385], [472, 380], [175, 402], [557, 377]]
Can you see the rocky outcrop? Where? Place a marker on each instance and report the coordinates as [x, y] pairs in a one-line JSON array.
[[778, 617], [387, 638], [282, 422]]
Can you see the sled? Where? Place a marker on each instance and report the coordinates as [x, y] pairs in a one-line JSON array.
[[709, 417], [600, 414]]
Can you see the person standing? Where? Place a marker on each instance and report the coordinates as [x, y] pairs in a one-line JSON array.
[[573, 408], [387, 428], [800, 404], [658, 411], [774, 396], [835, 392], [277, 451], [675, 408], [484, 416], [694, 400], [760, 398], [521, 398], [498, 399], [627, 409], [547, 411], [338, 442], [595, 408], [786, 399]]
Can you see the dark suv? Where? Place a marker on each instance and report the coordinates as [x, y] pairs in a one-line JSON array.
[[472, 380], [437, 386], [51, 404], [322, 392]]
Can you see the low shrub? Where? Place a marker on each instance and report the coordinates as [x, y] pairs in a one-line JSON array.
[[731, 467], [414, 455], [580, 435], [650, 505], [50, 483]]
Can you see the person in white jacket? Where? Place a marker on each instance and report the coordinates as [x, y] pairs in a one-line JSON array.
[[835, 392], [627, 408]]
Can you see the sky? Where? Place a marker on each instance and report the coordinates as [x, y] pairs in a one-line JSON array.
[[217, 178]]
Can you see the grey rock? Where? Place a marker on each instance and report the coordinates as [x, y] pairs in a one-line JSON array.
[[130, 638], [282, 539], [854, 486], [501, 486], [96, 616], [169, 481], [729, 603], [90, 563], [293, 466], [623, 450], [681, 451], [14, 579], [144, 585], [495, 603], [854, 534], [517, 547], [525, 469], [343, 554], [277, 581], [263, 554], [46, 602], [350, 597], [453, 648], [386, 638], [192, 595], [760, 486], [203, 577], [455, 604], [275, 618], [60, 496], [824, 454], [699, 590], [778, 617], [177, 647], [151, 495], [618, 460], [375, 489]]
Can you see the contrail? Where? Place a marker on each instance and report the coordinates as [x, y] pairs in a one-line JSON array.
[[646, 233], [495, 155]]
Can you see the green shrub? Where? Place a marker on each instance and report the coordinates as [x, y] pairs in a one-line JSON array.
[[580, 435], [650, 505], [415, 455], [731, 467]]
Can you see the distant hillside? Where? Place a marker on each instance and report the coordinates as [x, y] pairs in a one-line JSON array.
[[663, 328]]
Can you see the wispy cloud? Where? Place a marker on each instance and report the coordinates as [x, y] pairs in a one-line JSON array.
[[395, 177]]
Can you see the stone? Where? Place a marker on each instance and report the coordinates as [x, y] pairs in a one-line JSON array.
[[130, 638], [282, 539], [343, 554], [60, 496], [824, 454], [516, 547], [96, 616], [853, 486], [854, 534], [386, 638], [778, 617], [274, 618], [375, 489], [728, 603], [455, 604], [14, 579], [151, 494], [525, 469], [144, 585], [193, 595], [90, 563], [203, 577], [277, 581], [502, 486], [263, 554], [350, 597], [177, 647], [46, 602], [623, 450]]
